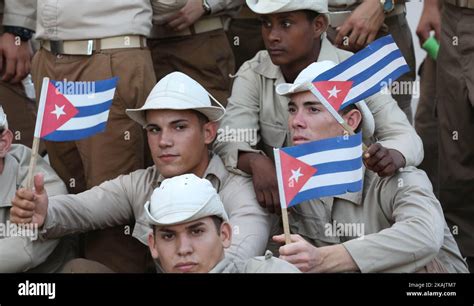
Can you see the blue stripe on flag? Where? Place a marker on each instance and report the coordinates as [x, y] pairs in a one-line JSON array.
[[86, 111], [325, 191], [339, 142], [105, 85], [370, 71], [87, 87], [377, 87], [75, 134], [357, 57], [338, 166]]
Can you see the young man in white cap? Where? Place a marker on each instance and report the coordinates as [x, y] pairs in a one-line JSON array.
[[191, 230], [294, 35], [180, 123], [402, 227], [19, 253]]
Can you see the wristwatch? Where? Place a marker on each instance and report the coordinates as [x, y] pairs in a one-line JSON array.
[[24, 33], [387, 5], [206, 7]]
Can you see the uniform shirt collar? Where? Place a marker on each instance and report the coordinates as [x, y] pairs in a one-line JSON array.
[[215, 172], [269, 70]]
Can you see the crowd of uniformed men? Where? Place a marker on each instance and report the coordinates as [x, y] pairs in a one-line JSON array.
[[156, 191]]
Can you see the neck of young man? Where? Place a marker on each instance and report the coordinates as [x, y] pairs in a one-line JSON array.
[[202, 167], [290, 71]]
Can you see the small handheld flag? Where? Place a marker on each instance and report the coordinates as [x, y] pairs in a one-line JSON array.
[[319, 169], [70, 111], [73, 110], [363, 74]]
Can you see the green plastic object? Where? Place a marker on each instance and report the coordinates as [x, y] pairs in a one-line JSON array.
[[431, 46]]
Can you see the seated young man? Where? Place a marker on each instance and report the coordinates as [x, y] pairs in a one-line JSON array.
[[20, 252], [180, 122], [294, 36], [404, 226], [191, 230]]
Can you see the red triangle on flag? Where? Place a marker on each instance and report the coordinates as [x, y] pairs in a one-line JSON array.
[[57, 111], [295, 174], [334, 91]]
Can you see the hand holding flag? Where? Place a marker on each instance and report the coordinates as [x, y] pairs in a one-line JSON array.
[[318, 169]]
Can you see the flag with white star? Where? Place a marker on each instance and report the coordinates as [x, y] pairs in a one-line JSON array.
[[363, 74], [317, 169], [74, 110]]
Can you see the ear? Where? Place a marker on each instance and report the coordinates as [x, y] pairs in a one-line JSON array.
[[151, 245], [226, 234], [210, 132], [5, 142], [353, 118], [321, 24]]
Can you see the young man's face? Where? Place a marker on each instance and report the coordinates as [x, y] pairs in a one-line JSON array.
[[193, 247], [290, 38], [178, 141], [309, 120]]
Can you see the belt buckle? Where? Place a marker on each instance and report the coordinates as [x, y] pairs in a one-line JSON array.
[[57, 46], [90, 46]]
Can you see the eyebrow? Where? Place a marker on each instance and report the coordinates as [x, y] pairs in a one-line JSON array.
[[195, 225], [307, 103], [192, 226], [172, 122]]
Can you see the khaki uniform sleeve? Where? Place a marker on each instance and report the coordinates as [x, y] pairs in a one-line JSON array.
[[242, 112], [106, 205], [417, 232], [393, 130], [220, 6], [20, 13], [250, 222], [19, 254]]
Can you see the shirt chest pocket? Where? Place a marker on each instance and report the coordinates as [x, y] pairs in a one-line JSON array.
[[313, 226]]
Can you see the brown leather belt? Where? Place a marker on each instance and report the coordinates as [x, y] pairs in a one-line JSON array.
[[87, 47], [462, 3]]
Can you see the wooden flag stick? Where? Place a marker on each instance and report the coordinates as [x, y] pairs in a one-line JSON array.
[[33, 159], [36, 139], [286, 225], [281, 192]]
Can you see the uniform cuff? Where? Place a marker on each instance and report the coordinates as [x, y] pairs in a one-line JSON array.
[[19, 21]]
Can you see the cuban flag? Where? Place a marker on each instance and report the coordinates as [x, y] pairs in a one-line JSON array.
[[319, 169], [362, 75], [73, 110]]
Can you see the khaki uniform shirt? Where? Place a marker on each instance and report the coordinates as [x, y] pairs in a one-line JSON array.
[[255, 106], [121, 201], [395, 224], [20, 13], [260, 264], [19, 253], [91, 19]]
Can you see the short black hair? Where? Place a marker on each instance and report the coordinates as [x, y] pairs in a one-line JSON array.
[[201, 117], [310, 15], [346, 110], [218, 223]]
